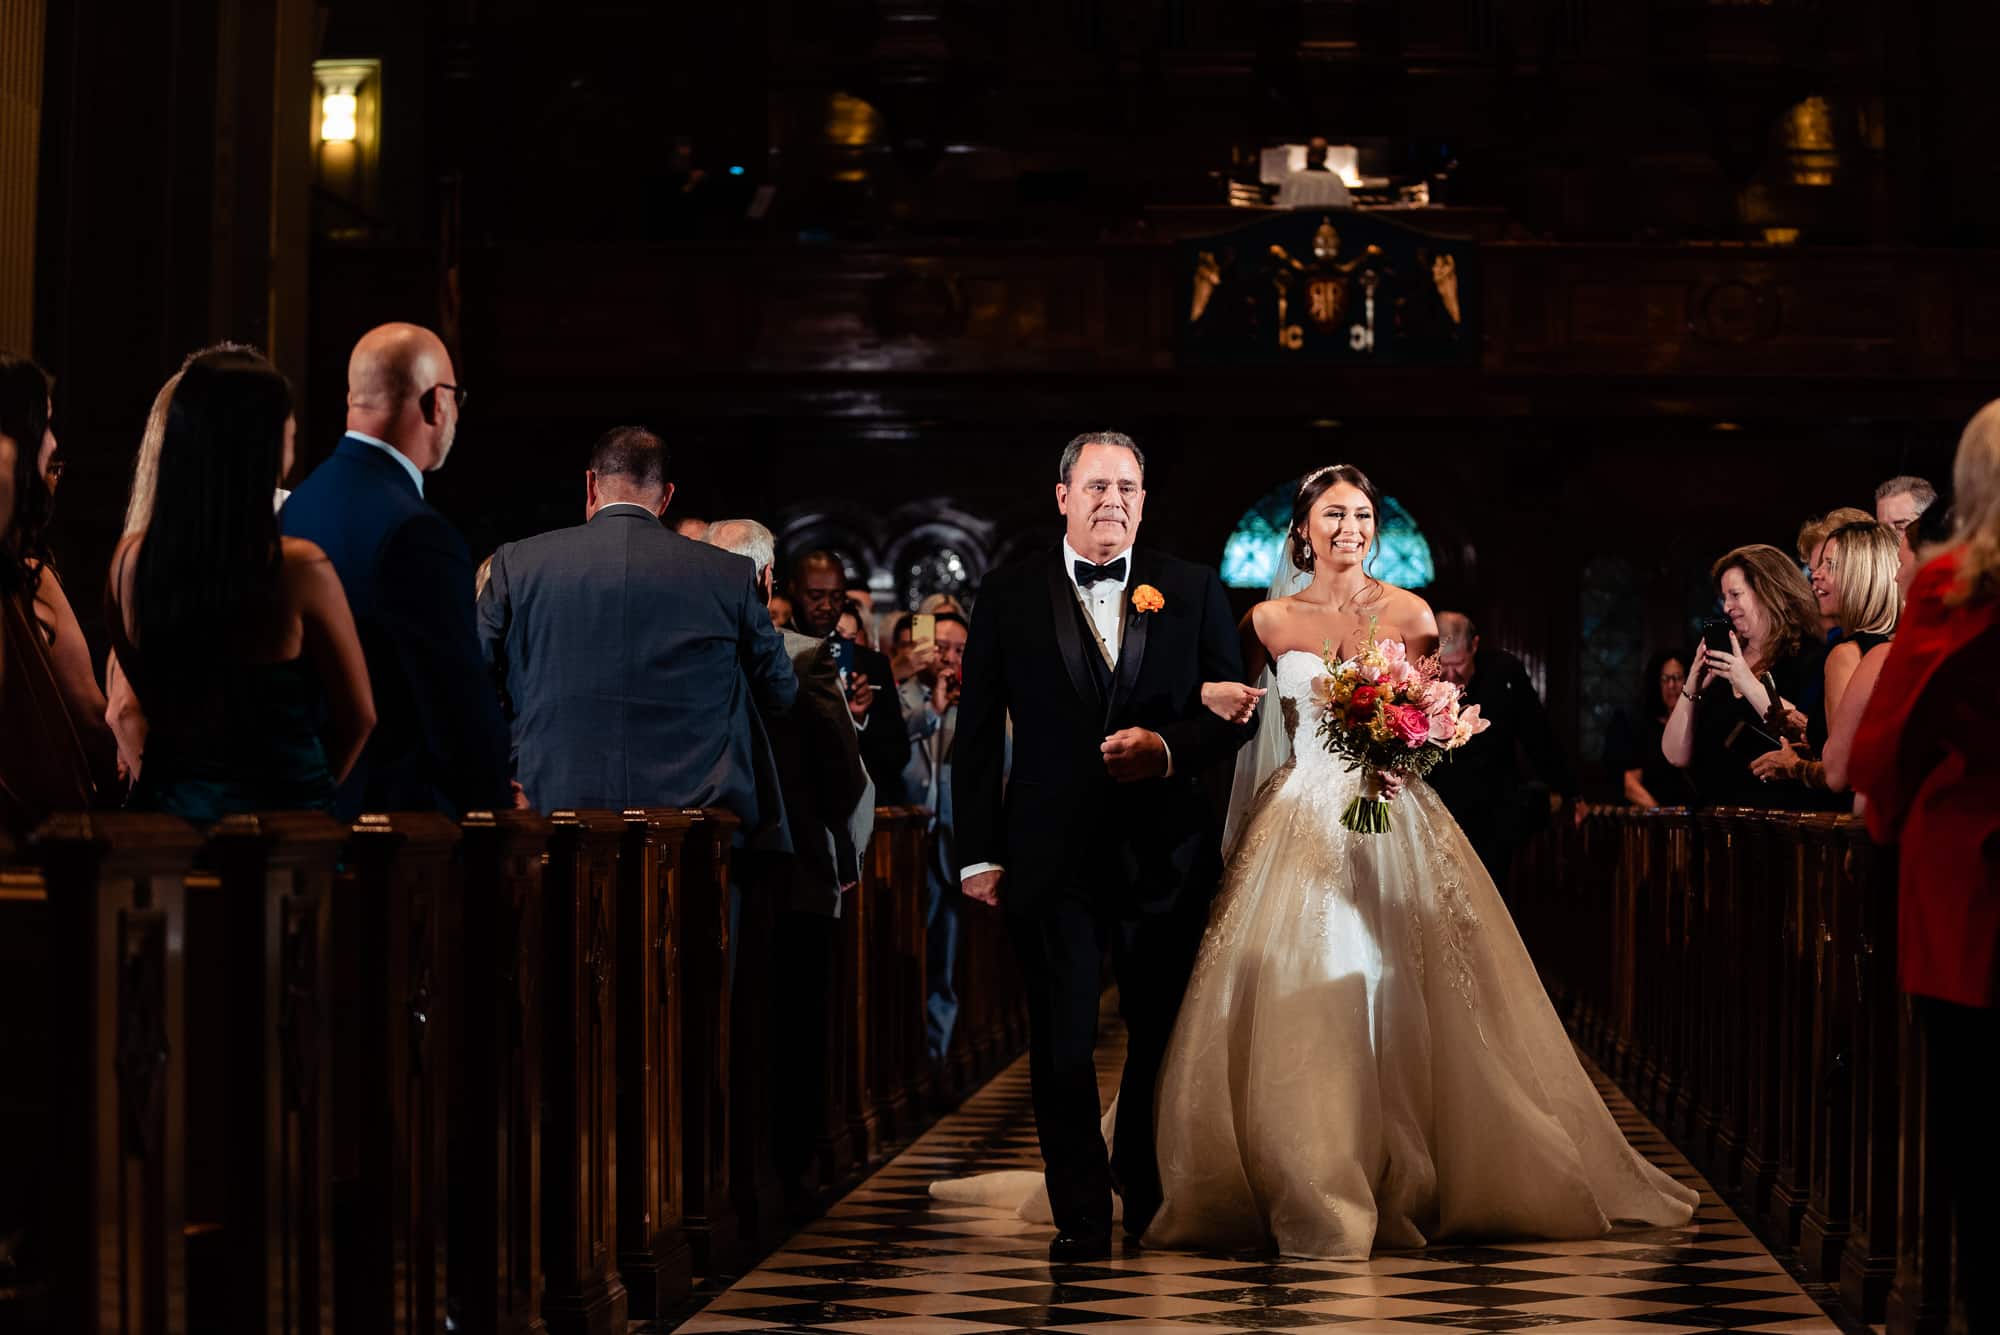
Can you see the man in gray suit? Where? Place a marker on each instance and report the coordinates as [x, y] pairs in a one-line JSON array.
[[628, 657]]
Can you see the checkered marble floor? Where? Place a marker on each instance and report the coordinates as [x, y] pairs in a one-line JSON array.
[[889, 1259]]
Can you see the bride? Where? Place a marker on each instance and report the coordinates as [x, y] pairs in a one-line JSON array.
[[1365, 1057]]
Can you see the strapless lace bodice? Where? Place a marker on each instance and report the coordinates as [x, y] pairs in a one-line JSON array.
[[1296, 671]]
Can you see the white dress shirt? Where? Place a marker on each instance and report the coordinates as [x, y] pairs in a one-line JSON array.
[[416, 473], [1103, 602]]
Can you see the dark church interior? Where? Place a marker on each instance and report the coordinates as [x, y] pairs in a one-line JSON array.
[[463, 921]]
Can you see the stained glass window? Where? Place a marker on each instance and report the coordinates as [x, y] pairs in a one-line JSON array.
[[1402, 554]]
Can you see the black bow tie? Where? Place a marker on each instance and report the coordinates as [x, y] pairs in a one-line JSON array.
[[1088, 574]]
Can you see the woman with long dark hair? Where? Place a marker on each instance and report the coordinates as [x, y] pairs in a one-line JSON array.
[[231, 636], [55, 750]]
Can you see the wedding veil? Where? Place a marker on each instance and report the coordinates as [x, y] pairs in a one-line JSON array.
[[1272, 746]]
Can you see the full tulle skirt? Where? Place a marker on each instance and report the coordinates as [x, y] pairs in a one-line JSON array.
[[1365, 1057]]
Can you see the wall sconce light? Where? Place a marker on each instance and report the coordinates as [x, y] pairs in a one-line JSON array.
[[347, 145], [336, 117], [349, 97]]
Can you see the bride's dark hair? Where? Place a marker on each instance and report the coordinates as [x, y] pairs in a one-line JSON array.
[[1310, 490]]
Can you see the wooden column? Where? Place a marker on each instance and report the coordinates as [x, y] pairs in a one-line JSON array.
[[1799, 1079], [888, 1101], [1707, 968], [116, 1207], [396, 929], [710, 1218], [865, 905], [1627, 833], [753, 1171], [1678, 872], [653, 1256], [834, 1146], [1827, 1222], [1868, 1262], [1920, 1295], [260, 1008], [1753, 1036], [582, 1293], [496, 1141], [912, 977]]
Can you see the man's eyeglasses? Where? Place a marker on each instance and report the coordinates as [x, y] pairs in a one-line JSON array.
[[459, 396]]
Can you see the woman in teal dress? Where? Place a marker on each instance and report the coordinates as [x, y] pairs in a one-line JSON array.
[[238, 643]]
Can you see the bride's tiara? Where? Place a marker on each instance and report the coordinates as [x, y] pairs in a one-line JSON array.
[[1311, 478]]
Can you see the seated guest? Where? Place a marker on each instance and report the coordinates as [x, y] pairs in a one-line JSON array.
[[830, 812], [56, 753], [1720, 723], [1812, 555], [1901, 499], [1927, 758], [1861, 566], [819, 595], [235, 642], [1632, 742], [628, 656], [1504, 785], [930, 703], [438, 742], [780, 608]]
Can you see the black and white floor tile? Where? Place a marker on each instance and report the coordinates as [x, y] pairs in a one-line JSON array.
[[889, 1259]]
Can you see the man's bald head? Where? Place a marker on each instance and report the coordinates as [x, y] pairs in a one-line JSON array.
[[393, 392]]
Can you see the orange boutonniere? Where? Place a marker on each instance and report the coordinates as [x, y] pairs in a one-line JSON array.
[[1146, 598]]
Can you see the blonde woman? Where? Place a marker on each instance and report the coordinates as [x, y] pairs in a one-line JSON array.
[[1812, 554], [1859, 567]]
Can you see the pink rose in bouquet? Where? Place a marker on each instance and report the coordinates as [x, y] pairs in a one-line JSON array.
[[1410, 723]]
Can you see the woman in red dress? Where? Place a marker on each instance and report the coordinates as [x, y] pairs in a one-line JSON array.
[[1927, 757]]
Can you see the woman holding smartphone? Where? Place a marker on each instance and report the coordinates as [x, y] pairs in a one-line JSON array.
[[1768, 638]]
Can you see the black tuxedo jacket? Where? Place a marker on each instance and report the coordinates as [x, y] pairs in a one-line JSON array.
[[1061, 825]]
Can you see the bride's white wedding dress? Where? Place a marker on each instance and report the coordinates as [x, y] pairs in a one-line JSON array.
[[1365, 1057]]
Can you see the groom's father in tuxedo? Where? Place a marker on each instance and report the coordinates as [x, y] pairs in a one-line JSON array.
[[438, 742], [628, 656], [1102, 837]]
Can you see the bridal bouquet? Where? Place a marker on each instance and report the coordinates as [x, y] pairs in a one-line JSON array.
[[1385, 713]]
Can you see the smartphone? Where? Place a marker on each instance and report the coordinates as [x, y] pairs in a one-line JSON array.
[[923, 628], [843, 655], [1715, 634]]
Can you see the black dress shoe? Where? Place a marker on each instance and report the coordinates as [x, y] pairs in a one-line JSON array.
[[1138, 1216], [1088, 1242]]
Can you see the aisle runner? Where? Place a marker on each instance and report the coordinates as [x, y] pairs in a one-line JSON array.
[[889, 1259]]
